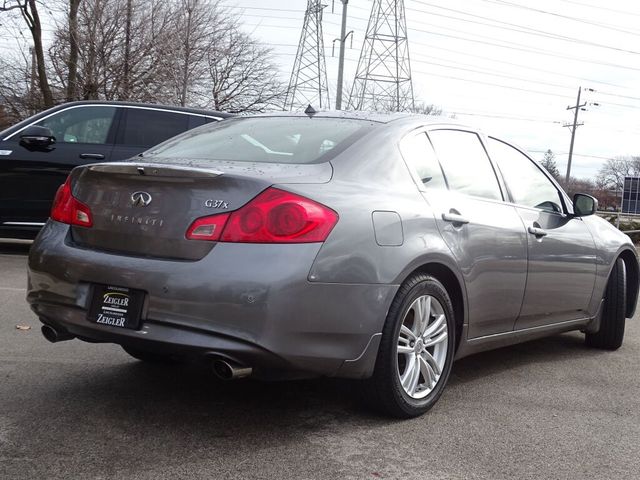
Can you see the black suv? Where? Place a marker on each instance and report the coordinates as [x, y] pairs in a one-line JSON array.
[[37, 154]]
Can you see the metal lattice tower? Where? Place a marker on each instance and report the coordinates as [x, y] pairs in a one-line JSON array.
[[308, 84], [383, 77]]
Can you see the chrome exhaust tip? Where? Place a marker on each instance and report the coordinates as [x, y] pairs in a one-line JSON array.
[[229, 371], [55, 335]]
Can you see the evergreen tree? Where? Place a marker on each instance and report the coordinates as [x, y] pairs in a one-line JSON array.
[[549, 162]]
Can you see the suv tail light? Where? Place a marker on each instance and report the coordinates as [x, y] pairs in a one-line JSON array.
[[68, 209], [274, 216]]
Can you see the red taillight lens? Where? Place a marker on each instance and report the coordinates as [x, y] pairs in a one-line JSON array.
[[274, 216], [67, 209]]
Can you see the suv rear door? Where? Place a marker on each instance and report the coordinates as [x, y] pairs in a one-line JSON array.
[[144, 127]]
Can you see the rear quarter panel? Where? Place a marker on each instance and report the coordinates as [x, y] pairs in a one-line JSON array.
[[369, 177]]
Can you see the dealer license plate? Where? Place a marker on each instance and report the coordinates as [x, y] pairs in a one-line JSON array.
[[116, 306]]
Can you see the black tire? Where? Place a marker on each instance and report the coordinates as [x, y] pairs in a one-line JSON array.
[[611, 332], [383, 391], [150, 357]]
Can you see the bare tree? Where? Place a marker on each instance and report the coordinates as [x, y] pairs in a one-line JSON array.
[[29, 11], [185, 52], [242, 76], [72, 63], [426, 109], [200, 25], [614, 170], [124, 43]]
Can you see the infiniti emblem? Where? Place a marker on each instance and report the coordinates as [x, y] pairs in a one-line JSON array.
[[140, 199]]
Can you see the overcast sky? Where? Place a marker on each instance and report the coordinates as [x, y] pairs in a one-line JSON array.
[[472, 58]]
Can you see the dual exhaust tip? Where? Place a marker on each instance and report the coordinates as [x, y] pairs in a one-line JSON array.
[[226, 370], [55, 335], [223, 369]]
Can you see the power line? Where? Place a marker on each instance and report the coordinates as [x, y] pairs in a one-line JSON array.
[[511, 46], [616, 28], [601, 8], [520, 47], [518, 28]]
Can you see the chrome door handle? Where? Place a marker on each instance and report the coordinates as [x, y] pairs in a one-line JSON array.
[[454, 218], [538, 232], [92, 156]]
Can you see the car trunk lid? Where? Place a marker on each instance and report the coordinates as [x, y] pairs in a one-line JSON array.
[[145, 209]]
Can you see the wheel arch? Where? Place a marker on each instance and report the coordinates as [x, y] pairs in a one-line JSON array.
[[454, 287], [632, 269]]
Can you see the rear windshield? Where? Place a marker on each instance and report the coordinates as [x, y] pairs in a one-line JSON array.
[[265, 139]]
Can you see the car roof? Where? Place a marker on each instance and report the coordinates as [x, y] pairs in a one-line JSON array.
[[379, 117], [200, 111], [13, 129]]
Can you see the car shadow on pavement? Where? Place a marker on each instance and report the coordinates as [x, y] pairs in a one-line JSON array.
[[555, 349], [190, 394], [164, 412]]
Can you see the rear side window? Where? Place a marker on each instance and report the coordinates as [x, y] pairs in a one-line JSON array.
[[526, 182], [465, 163], [145, 128], [419, 155], [265, 139]]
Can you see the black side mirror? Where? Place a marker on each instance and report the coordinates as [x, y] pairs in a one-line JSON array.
[[37, 138], [584, 205]]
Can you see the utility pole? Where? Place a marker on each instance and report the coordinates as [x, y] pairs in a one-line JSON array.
[[342, 40], [573, 127]]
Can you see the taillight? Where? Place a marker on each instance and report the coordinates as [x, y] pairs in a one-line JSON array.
[[207, 228], [68, 209], [274, 216]]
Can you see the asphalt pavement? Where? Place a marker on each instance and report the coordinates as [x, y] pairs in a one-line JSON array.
[[548, 409]]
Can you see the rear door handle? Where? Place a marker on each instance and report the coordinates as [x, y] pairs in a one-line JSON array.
[[454, 218], [92, 156], [538, 232]]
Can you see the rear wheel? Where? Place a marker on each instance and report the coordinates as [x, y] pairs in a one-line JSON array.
[[612, 322], [149, 357], [416, 352]]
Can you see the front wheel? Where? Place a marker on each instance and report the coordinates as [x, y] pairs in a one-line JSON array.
[[416, 352]]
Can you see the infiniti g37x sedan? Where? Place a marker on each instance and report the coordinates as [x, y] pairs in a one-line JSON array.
[[358, 246]]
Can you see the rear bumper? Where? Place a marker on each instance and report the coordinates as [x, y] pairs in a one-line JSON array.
[[250, 303]]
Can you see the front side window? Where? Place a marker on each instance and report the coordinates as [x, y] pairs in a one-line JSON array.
[[265, 139], [465, 163], [526, 182], [419, 155], [81, 124]]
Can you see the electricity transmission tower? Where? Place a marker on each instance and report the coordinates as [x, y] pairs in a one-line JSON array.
[[308, 84], [383, 77]]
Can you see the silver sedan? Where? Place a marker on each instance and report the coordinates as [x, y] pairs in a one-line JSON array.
[[363, 246]]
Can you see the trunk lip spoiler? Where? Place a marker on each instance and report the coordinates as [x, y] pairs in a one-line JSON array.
[[153, 169]]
